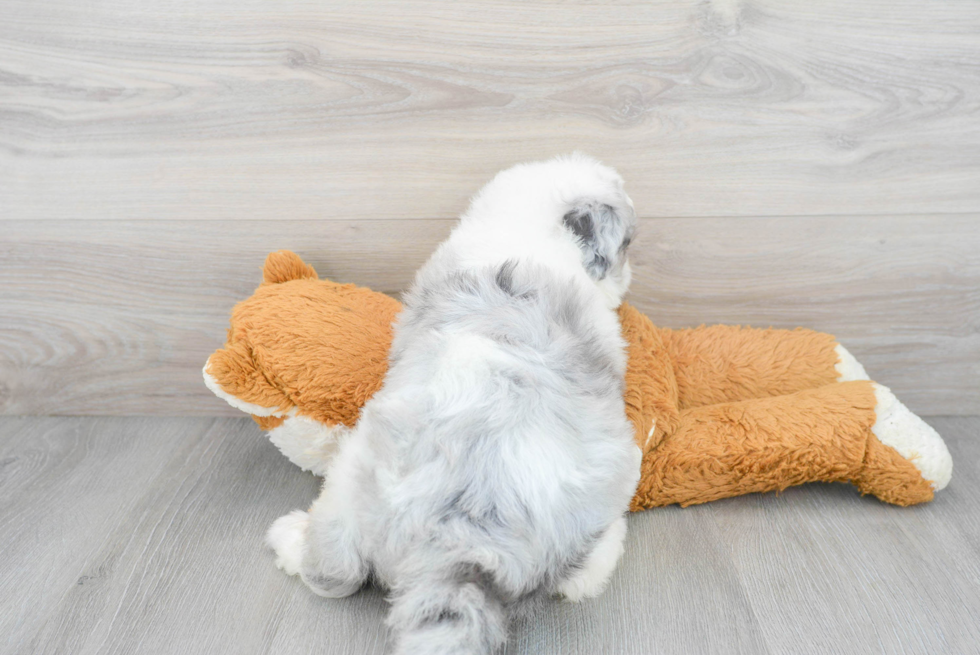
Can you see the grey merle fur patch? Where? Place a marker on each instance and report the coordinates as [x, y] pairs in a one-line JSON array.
[[604, 233]]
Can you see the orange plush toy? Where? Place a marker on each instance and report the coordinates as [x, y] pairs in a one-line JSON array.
[[718, 411]]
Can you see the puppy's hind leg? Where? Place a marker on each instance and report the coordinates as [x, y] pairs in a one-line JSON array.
[[322, 545], [598, 567]]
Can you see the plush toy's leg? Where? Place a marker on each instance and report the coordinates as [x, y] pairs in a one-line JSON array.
[[850, 431], [727, 363], [323, 545], [598, 567], [899, 430]]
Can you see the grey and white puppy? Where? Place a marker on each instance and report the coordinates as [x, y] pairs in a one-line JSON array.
[[496, 464]]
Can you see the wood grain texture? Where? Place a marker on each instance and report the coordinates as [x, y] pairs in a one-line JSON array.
[[901, 293], [229, 110], [118, 317], [64, 486], [826, 568], [185, 570], [96, 562], [675, 591]]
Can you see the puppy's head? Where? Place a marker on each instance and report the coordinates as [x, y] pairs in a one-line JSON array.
[[567, 210], [587, 200]]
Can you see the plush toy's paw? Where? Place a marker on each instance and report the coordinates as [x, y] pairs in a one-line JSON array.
[[287, 536], [912, 438], [598, 567]]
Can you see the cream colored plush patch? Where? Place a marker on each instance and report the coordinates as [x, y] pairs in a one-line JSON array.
[[847, 367], [913, 438], [308, 443], [249, 408]]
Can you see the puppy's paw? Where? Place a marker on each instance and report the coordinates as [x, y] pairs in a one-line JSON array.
[[913, 438], [577, 589], [598, 567], [287, 536]]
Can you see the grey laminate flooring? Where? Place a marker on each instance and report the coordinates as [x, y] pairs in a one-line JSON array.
[[144, 535]]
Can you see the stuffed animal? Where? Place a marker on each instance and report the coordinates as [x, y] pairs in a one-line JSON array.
[[719, 411]]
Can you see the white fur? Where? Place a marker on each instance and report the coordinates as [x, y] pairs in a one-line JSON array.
[[913, 438], [287, 537], [503, 223], [592, 579], [479, 475], [847, 367]]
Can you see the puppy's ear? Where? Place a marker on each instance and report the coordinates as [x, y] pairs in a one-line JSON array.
[[604, 233]]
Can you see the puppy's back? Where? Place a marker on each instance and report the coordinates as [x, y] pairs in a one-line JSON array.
[[507, 448]]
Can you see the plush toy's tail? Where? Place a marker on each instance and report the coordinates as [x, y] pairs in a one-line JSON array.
[[283, 266]]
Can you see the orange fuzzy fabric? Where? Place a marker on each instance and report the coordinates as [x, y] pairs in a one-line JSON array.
[[768, 444], [300, 342], [718, 411], [725, 363]]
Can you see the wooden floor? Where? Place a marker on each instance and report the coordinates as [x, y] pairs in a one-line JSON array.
[[144, 535]]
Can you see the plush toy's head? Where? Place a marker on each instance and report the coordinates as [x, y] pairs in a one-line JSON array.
[[304, 346], [310, 347]]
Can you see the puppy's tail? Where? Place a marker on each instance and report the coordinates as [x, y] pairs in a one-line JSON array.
[[456, 612]]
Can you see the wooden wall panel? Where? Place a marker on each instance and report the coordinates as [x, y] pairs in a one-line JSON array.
[[117, 317], [224, 110]]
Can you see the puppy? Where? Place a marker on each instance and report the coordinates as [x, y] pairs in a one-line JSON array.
[[496, 464]]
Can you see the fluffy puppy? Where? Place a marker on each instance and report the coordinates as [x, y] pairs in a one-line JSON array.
[[496, 464]]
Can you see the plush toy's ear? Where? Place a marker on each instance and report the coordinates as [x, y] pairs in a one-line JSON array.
[[233, 375], [283, 266]]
